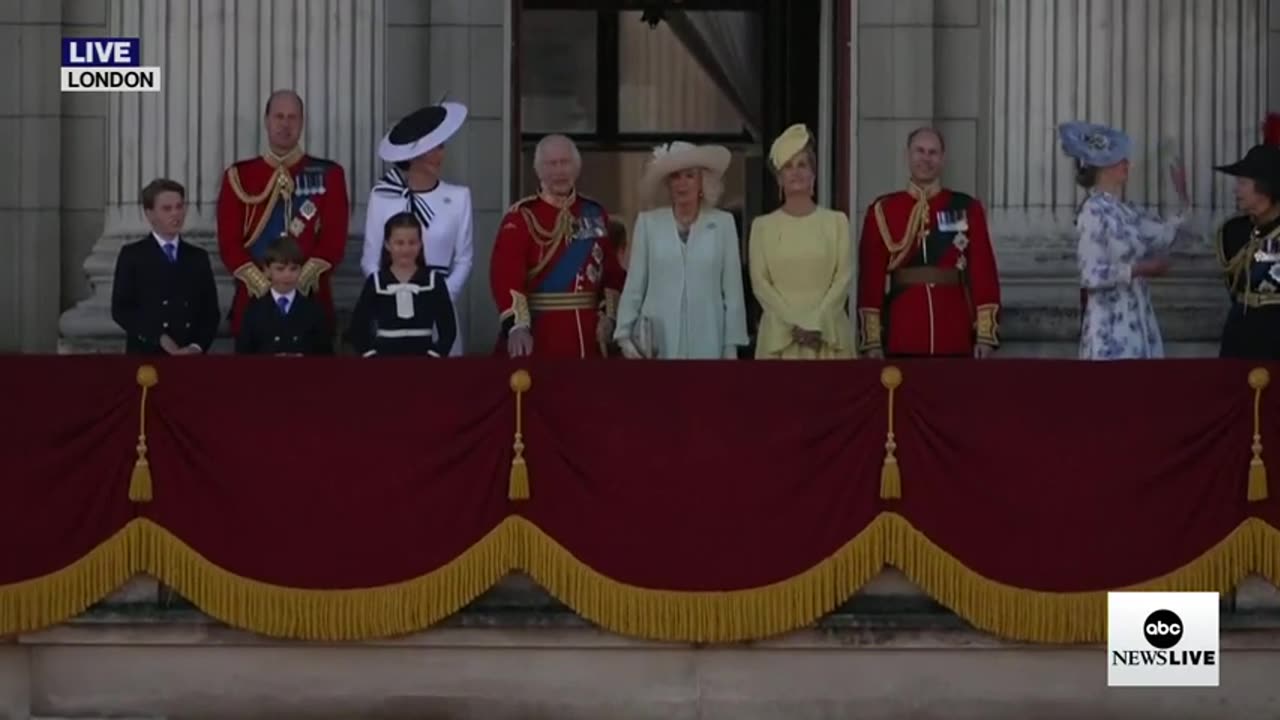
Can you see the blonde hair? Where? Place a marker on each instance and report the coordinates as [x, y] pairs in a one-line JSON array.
[[812, 156], [808, 152]]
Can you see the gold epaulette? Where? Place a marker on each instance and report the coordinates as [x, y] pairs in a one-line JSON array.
[[1235, 269], [519, 203], [1221, 248], [279, 182]]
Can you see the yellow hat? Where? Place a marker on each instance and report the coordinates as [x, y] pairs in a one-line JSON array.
[[789, 144]]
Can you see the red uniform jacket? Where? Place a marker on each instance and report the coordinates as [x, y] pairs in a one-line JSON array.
[[555, 271], [927, 280], [265, 197]]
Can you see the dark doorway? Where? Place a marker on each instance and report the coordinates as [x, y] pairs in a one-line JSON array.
[[622, 76]]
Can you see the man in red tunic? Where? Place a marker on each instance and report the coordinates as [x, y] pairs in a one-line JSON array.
[[927, 280], [554, 273], [282, 192]]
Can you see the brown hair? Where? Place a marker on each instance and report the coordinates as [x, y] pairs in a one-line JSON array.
[[1086, 175], [399, 221], [285, 251], [157, 186]]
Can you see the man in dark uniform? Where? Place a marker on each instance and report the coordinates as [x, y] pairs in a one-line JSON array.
[[1249, 250]]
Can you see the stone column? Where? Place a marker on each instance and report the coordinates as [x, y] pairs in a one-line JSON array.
[[895, 45], [1193, 74], [220, 60], [30, 145]]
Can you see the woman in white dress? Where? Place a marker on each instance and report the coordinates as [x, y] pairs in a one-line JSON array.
[[1121, 248], [683, 296], [415, 148]]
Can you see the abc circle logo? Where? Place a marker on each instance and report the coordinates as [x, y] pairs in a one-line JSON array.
[[1163, 629]]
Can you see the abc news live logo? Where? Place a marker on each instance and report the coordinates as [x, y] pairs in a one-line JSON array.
[[1162, 639], [106, 65]]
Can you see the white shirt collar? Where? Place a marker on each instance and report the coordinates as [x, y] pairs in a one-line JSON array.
[[165, 241], [288, 296]]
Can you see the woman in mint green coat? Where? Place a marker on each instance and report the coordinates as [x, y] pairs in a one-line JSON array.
[[683, 297]]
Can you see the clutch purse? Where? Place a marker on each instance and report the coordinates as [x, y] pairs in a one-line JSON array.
[[642, 337]]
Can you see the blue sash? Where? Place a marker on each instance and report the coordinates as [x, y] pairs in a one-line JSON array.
[[307, 185], [563, 275]]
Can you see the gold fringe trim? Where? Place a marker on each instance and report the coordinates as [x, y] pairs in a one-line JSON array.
[[1259, 379], [665, 615], [329, 615], [699, 617], [47, 600], [890, 473], [140, 480], [1047, 617], [518, 482]]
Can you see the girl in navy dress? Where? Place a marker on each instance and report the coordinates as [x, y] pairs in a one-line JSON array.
[[405, 308]]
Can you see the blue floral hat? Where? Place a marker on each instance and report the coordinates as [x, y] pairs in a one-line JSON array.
[[1094, 145]]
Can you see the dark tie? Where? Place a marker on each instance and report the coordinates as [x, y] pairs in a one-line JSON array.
[[171, 250], [283, 303]]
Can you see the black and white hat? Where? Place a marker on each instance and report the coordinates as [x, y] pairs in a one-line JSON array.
[[422, 131]]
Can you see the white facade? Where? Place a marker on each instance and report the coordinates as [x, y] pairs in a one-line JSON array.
[[995, 75]]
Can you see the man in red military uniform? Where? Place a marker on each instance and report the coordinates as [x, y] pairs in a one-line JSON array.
[[927, 280], [554, 273], [282, 192]]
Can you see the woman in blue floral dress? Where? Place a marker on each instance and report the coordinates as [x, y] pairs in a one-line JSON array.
[[1121, 248]]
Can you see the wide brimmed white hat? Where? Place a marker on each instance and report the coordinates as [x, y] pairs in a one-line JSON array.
[[422, 131], [676, 156]]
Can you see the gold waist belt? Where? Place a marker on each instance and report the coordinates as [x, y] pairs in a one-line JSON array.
[[545, 302]]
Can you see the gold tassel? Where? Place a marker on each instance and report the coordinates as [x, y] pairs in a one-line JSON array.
[[518, 485], [140, 481], [890, 474], [1259, 378]]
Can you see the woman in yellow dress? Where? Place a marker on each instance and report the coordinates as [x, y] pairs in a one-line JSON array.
[[801, 263]]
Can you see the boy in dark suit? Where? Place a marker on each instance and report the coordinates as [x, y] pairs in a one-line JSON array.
[[284, 321], [164, 296]]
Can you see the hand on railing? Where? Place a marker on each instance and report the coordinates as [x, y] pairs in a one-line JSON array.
[[520, 342]]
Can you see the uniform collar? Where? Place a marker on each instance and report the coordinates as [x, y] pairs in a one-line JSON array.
[[1266, 228], [560, 203], [287, 160], [926, 191]]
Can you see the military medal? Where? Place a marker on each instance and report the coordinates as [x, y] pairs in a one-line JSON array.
[[961, 242], [296, 227], [952, 221], [308, 210]]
